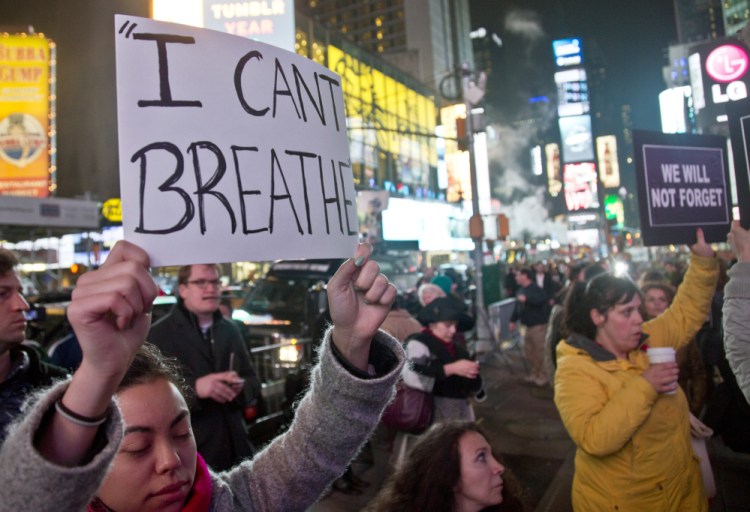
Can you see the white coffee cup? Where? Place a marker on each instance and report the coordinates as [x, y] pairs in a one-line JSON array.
[[658, 355]]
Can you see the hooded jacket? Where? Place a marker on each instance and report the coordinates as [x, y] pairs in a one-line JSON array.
[[633, 444]]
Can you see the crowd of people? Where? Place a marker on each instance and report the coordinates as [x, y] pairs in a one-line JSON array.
[[160, 425]]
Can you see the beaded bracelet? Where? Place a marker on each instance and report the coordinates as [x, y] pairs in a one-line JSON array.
[[78, 419]]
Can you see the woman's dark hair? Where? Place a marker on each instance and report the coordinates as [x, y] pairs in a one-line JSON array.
[[149, 365], [602, 293], [426, 479]]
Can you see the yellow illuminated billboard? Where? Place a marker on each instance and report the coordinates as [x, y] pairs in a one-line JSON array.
[[554, 171], [609, 166], [24, 115], [398, 115]]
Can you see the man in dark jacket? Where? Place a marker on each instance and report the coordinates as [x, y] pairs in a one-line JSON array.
[[217, 366], [21, 370], [532, 310]]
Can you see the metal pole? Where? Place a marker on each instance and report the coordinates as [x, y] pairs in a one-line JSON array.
[[482, 325]]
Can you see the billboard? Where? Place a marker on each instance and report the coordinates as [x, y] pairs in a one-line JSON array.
[[268, 22], [609, 165], [568, 52], [718, 75], [581, 190], [572, 93], [577, 141], [25, 90], [554, 170]]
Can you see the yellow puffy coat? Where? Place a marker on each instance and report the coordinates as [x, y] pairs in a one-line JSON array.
[[633, 444]]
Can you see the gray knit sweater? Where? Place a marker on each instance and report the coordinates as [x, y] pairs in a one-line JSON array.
[[332, 422]]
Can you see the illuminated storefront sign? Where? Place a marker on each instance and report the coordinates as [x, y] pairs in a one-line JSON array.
[[25, 115], [609, 166], [581, 191]]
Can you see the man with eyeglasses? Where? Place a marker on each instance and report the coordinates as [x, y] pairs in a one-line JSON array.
[[216, 366], [21, 370]]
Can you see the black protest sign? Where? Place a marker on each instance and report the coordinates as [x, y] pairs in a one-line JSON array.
[[230, 149], [683, 184], [739, 127]]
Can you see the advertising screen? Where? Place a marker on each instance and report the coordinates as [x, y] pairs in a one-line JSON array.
[[267, 22], [572, 92], [577, 142], [581, 191], [568, 52], [554, 170], [609, 166]]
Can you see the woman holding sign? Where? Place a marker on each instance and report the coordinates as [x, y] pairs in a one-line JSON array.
[[80, 448], [631, 429]]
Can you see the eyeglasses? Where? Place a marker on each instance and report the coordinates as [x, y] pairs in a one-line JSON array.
[[205, 283]]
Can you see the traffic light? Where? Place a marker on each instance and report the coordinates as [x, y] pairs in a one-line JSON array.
[[462, 139], [74, 268], [476, 226], [503, 226]]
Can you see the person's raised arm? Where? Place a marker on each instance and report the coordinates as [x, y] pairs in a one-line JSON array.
[[110, 314], [736, 309], [359, 298]]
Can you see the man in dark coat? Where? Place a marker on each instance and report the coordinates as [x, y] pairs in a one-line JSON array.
[[21, 370], [217, 366], [532, 310]]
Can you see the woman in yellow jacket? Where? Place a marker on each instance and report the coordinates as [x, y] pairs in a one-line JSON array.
[[632, 435]]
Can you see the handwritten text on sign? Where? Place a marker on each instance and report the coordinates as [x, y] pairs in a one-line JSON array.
[[685, 185], [229, 149]]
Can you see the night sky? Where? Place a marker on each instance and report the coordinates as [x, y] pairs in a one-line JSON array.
[[629, 37]]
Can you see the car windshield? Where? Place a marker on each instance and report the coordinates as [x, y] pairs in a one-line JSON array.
[[278, 296]]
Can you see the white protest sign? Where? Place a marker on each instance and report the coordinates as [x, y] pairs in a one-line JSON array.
[[230, 149]]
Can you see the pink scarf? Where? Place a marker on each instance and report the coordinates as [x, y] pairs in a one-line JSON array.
[[199, 499]]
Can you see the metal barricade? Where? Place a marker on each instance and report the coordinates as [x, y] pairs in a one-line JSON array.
[[499, 317], [499, 314], [273, 370]]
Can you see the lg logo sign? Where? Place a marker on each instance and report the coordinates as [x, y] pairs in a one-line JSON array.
[[726, 65]]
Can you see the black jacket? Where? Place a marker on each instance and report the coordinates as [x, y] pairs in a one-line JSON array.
[[453, 386], [536, 309], [220, 429], [28, 374]]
